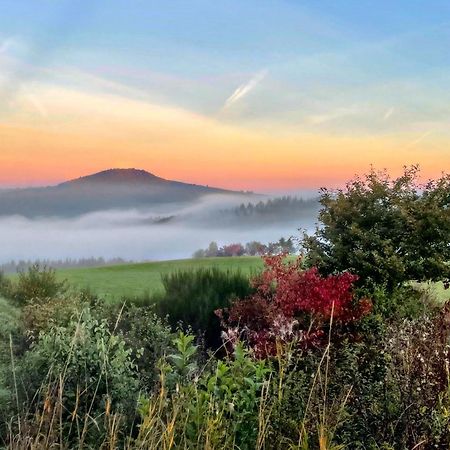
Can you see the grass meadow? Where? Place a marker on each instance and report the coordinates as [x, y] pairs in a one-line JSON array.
[[136, 280], [144, 279]]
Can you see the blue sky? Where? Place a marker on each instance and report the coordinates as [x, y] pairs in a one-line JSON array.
[[331, 68], [347, 51]]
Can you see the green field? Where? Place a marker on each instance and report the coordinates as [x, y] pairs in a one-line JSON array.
[[134, 280], [138, 279]]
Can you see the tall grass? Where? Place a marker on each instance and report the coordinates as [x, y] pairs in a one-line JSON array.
[[184, 415]]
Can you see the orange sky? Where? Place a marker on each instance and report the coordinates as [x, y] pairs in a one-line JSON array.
[[57, 133]]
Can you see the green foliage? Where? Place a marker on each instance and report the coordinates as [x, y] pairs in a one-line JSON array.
[[43, 314], [216, 407], [191, 297], [403, 302], [5, 285], [10, 338], [86, 365], [36, 284], [388, 231], [182, 362], [149, 337]]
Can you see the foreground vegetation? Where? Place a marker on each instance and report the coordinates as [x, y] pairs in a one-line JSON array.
[[297, 356]]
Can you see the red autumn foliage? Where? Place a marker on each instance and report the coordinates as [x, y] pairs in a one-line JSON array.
[[291, 304], [232, 250]]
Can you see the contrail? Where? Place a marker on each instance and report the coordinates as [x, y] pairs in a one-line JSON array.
[[244, 89], [419, 139], [388, 113]]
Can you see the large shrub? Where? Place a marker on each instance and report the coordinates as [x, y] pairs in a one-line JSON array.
[[387, 231], [36, 284], [191, 297], [80, 374], [292, 304]]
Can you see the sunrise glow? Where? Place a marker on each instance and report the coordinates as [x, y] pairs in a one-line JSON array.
[[289, 117]]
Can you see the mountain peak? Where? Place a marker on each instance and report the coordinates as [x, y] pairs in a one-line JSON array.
[[117, 176]]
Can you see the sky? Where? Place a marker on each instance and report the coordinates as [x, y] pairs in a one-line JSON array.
[[246, 94]]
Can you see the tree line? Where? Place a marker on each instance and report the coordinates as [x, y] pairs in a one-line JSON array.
[[67, 263], [252, 248]]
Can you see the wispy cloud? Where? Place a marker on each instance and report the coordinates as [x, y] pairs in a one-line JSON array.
[[318, 119], [388, 113], [245, 88], [419, 139]]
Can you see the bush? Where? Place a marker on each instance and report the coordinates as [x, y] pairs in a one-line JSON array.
[[191, 297], [42, 314], [36, 284], [292, 305], [81, 374], [149, 337]]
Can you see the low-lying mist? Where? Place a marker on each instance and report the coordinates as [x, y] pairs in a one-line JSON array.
[[157, 233]]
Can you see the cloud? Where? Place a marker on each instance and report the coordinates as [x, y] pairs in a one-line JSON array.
[[419, 139], [388, 113], [245, 88], [318, 119]]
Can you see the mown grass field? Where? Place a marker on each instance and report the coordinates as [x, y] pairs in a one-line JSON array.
[[134, 280]]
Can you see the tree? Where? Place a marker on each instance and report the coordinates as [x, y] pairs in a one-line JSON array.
[[386, 230], [254, 248], [212, 250], [232, 250], [200, 253]]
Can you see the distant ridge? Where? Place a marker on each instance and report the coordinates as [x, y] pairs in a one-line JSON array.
[[108, 189]]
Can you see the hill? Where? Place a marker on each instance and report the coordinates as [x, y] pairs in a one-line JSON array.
[[109, 189]]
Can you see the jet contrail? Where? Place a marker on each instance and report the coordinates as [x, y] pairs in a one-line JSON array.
[[388, 113], [419, 139], [244, 89]]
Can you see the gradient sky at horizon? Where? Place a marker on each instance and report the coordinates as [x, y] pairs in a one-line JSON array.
[[253, 94]]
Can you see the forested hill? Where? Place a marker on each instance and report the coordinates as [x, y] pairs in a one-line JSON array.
[[274, 210]]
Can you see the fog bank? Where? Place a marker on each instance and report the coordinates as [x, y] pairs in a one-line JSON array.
[[134, 234]]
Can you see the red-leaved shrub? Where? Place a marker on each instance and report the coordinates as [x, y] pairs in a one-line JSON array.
[[292, 305]]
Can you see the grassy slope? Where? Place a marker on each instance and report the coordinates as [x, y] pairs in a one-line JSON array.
[[132, 280]]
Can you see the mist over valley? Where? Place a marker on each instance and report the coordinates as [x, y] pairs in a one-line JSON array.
[[134, 215]]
